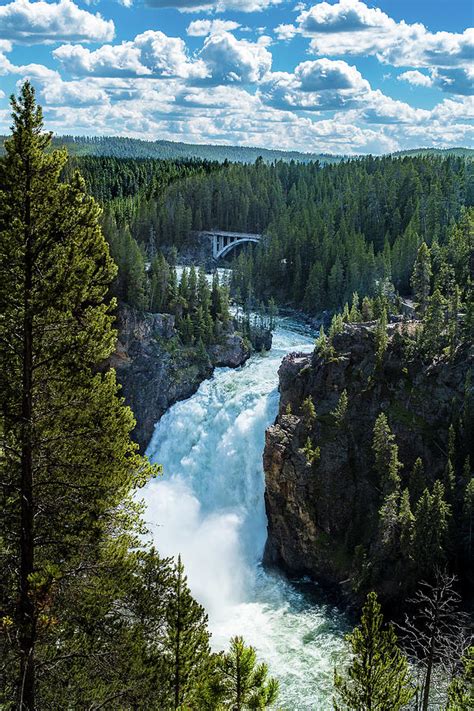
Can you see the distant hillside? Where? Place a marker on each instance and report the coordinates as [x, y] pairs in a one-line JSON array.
[[458, 152], [118, 147]]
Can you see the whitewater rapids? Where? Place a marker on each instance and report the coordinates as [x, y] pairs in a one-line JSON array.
[[209, 507]]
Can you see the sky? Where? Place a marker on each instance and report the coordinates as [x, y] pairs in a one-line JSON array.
[[342, 76]]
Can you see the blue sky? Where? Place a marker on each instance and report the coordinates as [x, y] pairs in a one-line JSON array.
[[341, 76]]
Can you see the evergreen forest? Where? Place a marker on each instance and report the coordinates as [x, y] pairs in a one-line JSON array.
[[92, 616]]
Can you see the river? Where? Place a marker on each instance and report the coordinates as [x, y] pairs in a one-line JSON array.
[[209, 506]]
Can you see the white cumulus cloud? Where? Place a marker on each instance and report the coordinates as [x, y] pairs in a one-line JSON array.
[[352, 27], [24, 21], [230, 60], [416, 78], [150, 54], [319, 85], [202, 28]]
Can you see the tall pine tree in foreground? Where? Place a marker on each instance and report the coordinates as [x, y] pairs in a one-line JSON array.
[[377, 678], [187, 641], [68, 465]]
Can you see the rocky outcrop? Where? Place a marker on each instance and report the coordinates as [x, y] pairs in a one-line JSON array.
[[320, 512], [156, 370]]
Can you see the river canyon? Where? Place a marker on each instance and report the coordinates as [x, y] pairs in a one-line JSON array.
[[209, 507]]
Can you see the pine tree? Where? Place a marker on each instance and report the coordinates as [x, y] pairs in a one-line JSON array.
[[68, 463], [187, 640], [367, 309], [308, 412], [245, 682], [355, 315], [377, 678], [417, 483], [385, 453], [312, 453], [421, 277], [468, 519], [434, 324], [340, 411], [406, 522], [430, 529], [381, 338]]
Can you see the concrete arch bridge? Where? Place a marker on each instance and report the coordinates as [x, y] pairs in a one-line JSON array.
[[223, 242]]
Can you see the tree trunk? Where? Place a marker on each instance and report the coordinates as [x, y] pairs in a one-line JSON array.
[[177, 670], [430, 660], [26, 611]]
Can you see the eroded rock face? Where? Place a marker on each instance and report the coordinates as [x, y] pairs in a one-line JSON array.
[[156, 371], [319, 513]]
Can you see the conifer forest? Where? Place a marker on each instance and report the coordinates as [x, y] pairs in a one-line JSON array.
[[242, 483]]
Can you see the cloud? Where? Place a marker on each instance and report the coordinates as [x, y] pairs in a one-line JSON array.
[[219, 97], [323, 74], [285, 32], [169, 108], [150, 54], [73, 93], [230, 60], [455, 81], [416, 78], [319, 85], [350, 27], [202, 28], [214, 5], [35, 22], [381, 109]]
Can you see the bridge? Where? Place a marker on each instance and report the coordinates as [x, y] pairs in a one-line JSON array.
[[222, 242]]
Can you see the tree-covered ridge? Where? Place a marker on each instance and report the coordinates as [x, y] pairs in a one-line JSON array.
[[109, 178], [122, 147], [348, 227], [328, 231], [425, 514]]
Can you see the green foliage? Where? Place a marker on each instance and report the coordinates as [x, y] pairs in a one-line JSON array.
[[92, 618], [417, 483], [461, 689], [68, 465], [329, 232], [385, 453], [340, 411], [308, 412], [367, 309], [244, 683], [421, 277], [312, 453], [381, 338], [377, 677], [186, 648], [434, 325], [431, 529], [324, 345]]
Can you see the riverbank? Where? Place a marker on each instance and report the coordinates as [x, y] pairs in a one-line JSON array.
[[156, 370]]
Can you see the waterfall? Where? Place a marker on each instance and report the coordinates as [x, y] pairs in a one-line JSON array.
[[209, 507]]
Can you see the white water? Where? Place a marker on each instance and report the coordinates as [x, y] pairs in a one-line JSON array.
[[209, 507]]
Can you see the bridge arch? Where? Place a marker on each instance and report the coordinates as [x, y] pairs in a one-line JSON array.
[[231, 246], [223, 242]]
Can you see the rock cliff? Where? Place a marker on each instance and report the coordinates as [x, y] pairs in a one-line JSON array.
[[321, 514], [156, 370]]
